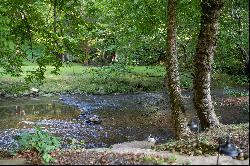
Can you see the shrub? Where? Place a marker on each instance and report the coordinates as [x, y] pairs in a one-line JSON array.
[[41, 142]]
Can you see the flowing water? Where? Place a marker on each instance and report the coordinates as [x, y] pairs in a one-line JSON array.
[[123, 117]]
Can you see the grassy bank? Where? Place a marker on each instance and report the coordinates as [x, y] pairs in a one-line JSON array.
[[103, 80]]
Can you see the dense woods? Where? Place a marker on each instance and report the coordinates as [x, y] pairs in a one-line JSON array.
[[134, 30]]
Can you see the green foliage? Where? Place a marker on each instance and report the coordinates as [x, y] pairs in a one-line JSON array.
[[172, 159], [116, 69], [42, 31], [186, 80], [13, 86], [233, 43], [222, 80], [41, 142]]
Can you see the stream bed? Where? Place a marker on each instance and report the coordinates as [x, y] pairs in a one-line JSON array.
[[122, 117]]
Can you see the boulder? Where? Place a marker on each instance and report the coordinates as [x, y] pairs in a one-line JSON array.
[[95, 119]]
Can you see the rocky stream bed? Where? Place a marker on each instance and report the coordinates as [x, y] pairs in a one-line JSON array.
[[118, 118]]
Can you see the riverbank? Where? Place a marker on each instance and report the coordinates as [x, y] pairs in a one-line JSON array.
[[144, 153], [140, 152], [76, 78]]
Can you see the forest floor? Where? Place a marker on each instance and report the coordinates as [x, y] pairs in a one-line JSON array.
[[139, 152]]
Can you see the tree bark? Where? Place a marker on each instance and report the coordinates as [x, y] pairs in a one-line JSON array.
[[203, 60], [173, 80]]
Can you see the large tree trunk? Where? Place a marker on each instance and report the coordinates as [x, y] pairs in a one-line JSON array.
[[203, 61], [173, 80]]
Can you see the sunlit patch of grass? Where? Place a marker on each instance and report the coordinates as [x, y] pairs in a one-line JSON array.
[[82, 79], [99, 80]]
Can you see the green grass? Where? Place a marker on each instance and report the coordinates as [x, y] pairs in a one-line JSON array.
[[97, 80]]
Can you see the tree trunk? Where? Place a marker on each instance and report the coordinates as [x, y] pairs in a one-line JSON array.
[[203, 60], [173, 80]]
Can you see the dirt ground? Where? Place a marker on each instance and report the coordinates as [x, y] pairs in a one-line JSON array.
[[135, 153]]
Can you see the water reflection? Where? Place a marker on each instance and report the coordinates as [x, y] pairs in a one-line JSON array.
[[119, 123], [14, 116], [19, 111]]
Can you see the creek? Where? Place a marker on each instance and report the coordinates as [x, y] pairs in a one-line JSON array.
[[122, 117]]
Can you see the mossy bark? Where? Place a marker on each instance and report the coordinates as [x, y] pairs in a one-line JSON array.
[[203, 60], [173, 79]]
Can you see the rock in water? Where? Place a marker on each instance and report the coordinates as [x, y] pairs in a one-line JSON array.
[[95, 119], [151, 139]]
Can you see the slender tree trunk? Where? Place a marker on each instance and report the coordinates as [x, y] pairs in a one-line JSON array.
[[203, 60], [173, 80]]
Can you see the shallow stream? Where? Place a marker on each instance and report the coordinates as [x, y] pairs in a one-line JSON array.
[[123, 117]]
